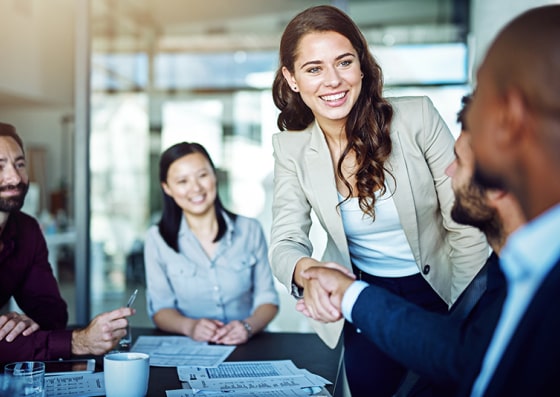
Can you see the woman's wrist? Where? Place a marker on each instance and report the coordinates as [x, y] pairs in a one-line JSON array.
[[301, 265], [188, 327], [248, 327]]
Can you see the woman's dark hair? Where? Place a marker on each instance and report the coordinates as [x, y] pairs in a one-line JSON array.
[[171, 215], [368, 124]]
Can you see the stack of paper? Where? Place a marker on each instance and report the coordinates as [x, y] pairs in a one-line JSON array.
[[250, 379], [174, 351]]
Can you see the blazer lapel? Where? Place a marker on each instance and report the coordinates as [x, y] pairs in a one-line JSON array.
[[322, 180], [402, 194]]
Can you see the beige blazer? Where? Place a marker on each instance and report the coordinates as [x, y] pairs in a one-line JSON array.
[[448, 255]]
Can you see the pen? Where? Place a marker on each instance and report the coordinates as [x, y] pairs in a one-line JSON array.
[[132, 298]]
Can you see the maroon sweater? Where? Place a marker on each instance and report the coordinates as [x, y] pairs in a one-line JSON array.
[[25, 274]]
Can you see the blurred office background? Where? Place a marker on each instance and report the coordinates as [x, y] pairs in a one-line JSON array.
[[98, 88]]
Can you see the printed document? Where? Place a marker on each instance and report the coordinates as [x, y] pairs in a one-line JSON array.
[[174, 351], [250, 378], [75, 385], [307, 392]]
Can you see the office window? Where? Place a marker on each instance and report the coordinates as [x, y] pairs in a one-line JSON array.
[[423, 64], [119, 192], [223, 101], [213, 71]]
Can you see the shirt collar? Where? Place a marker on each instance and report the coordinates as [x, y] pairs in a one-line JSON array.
[[229, 232], [533, 249], [228, 236]]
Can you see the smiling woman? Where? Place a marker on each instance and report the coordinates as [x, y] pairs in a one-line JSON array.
[[207, 271], [328, 77], [373, 171]]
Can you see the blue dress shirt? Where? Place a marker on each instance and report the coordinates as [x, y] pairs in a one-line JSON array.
[[530, 253], [350, 297], [229, 286]]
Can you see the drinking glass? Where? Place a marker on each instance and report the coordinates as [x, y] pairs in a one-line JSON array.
[[25, 378]]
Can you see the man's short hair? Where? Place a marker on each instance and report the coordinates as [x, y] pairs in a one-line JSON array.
[[10, 131], [465, 102]]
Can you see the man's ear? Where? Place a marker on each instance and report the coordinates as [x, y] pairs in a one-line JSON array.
[[495, 194], [514, 116]]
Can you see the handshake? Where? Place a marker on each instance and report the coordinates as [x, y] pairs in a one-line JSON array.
[[323, 291]]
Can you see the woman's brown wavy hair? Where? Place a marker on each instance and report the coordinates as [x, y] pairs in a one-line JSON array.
[[368, 124]]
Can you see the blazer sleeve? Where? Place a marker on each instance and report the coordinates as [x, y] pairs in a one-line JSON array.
[[423, 341], [291, 215]]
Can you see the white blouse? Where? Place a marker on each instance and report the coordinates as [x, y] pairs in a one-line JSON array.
[[378, 247]]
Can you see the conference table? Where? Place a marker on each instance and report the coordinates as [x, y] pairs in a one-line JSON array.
[[306, 350]]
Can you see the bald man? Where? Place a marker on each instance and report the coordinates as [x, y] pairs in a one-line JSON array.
[[514, 119]]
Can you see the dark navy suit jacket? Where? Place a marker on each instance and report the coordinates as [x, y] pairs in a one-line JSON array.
[[439, 348], [530, 365]]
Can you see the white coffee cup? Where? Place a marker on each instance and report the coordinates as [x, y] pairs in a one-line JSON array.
[[126, 374]]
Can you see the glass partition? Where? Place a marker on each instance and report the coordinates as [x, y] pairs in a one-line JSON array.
[[146, 97]]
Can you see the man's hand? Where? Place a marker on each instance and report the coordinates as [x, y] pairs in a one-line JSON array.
[[14, 324], [317, 300], [334, 284], [103, 332]]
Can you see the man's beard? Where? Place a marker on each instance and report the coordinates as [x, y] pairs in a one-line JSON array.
[[13, 203], [484, 180], [470, 208]]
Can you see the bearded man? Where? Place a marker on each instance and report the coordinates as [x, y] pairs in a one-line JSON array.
[[26, 275]]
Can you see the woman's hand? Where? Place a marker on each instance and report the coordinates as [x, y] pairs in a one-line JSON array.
[[233, 333], [331, 280], [316, 299], [205, 330]]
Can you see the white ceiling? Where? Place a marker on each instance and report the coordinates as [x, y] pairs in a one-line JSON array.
[[230, 25], [183, 25]]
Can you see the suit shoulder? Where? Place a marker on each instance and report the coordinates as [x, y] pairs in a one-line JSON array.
[[410, 103], [291, 143], [412, 111], [293, 136]]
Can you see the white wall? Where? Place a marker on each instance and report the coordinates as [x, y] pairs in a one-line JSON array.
[[37, 44], [37, 76]]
